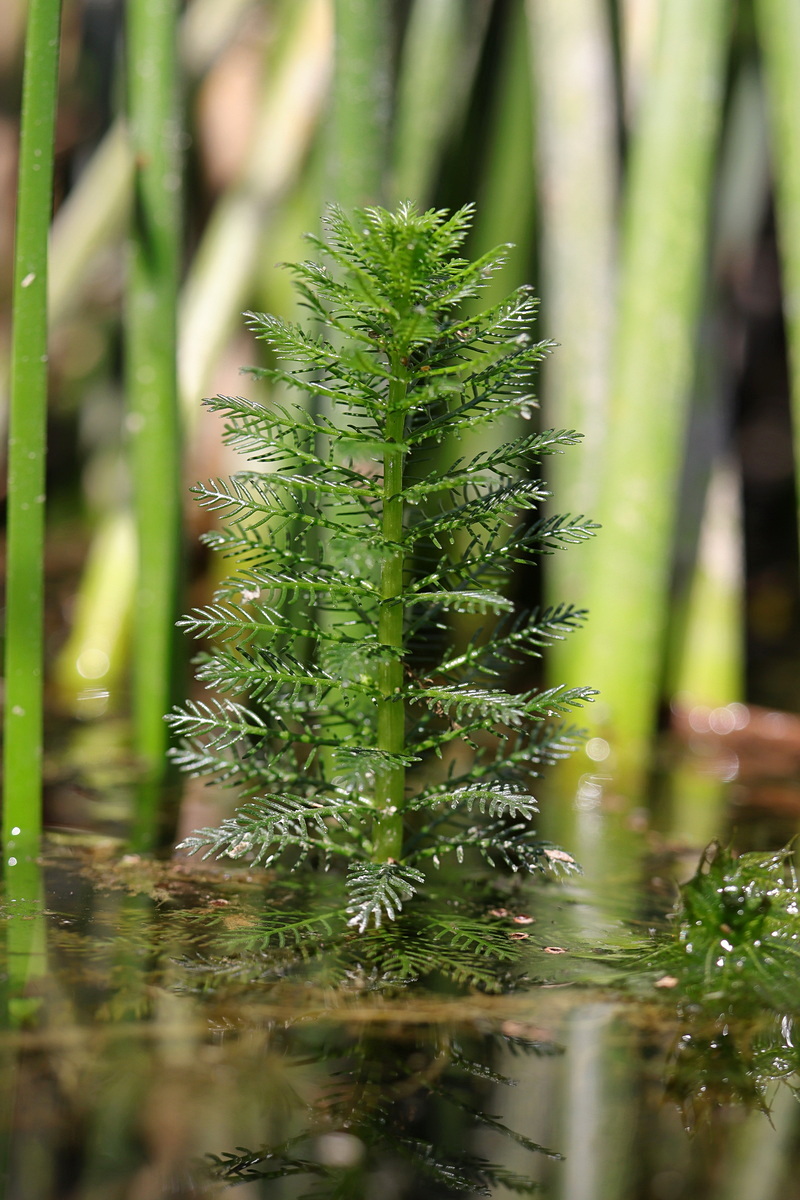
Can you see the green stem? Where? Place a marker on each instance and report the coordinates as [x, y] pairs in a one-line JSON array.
[[441, 49], [778, 23], [390, 781], [358, 136], [663, 254], [152, 382], [24, 651], [571, 56]]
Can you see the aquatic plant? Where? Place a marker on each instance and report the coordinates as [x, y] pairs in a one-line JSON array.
[[737, 931], [730, 968], [368, 735], [27, 419], [151, 384]]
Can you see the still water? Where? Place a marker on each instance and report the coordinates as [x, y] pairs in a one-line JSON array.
[[152, 1047]]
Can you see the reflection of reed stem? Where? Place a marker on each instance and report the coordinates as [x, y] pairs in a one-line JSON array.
[[24, 650]]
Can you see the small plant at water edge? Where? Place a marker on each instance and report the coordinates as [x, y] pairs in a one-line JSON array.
[[355, 724]]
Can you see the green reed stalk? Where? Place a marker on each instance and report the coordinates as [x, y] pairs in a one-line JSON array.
[[358, 133], [94, 216], [24, 648], [506, 184], [152, 380], [504, 215], [223, 273], [219, 284], [571, 53], [778, 23], [440, 54], [663, 255], [25, 932]]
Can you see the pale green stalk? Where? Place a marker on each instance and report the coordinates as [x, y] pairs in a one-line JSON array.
[[504, 216], [24, 633], [93, 217], [219, 285], [225, 268], [357, 136], [577, 176], [778, 25], [89, 667], [505, 193], [706, 662], [440, 55], [152, 381], [663, 257], [638, 22], [709, 669]]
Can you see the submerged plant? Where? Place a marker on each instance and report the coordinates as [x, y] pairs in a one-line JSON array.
[[369, 736]]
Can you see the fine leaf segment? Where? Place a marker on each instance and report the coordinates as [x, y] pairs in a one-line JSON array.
[[343, 710]]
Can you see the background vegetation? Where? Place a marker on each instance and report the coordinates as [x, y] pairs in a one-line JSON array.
[[643, 156]]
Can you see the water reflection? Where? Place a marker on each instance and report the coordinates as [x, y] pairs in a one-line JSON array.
[[158, 1056], [390, 1113]]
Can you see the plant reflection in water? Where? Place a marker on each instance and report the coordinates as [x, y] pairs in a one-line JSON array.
[[367, 1128]]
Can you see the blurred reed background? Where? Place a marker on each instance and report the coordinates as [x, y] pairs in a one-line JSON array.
[[644, 158]]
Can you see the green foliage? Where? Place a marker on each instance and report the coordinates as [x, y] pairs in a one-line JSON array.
[[368, 736], [737, 937], [731, 966]]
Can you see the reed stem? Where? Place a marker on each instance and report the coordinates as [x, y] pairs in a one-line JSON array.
[[663, 256], [24, 633], [360, 110], [151, 380], [778, 23], [576, 158]]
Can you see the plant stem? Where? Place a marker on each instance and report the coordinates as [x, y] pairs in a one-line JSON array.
[[505, 212], [360, 106], [222, 275], [390, 781], [152, 383], [91, 219], [663, 254], [441, 49], [24, 649], [778, 23], [571, 54]]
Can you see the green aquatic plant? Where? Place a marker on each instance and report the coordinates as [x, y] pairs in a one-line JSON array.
[[23, 657], [730, 968], [736, 938], [368, 736]]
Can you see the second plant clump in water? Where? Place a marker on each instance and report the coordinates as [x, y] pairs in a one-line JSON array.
[[371, 734]]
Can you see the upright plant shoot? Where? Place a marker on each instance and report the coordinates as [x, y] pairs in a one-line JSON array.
[[351, 724]]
